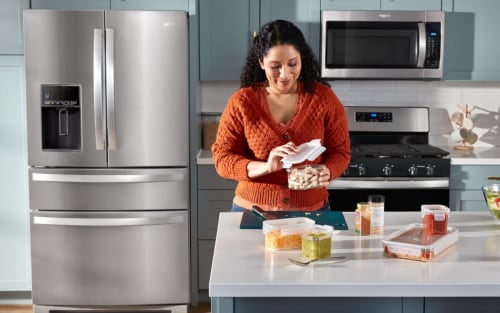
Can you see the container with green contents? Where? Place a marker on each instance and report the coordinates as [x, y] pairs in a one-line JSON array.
[[318, 243]]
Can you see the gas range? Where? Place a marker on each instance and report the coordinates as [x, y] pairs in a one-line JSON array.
[[393, 142], [391, 156]]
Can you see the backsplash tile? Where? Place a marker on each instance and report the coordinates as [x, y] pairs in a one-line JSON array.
[[442, 97]]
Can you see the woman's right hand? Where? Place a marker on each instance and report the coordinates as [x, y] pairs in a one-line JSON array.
[[273, 163], [277, 153]]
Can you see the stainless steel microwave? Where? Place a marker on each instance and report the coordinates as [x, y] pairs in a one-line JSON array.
[[382, 44]]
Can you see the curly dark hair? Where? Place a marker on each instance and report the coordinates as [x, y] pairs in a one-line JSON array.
[[280, 32]]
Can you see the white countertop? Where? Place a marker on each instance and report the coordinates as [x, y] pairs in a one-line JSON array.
[[477, 156], [243, 267]]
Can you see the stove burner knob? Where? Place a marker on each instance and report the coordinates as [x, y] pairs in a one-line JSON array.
[[429, 169], [412, 170], [387, 170], [361, 170]]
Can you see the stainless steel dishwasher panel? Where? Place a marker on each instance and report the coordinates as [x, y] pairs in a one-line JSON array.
[[110, 258]]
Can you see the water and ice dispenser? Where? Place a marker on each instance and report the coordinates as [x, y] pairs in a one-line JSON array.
[[61, 117]]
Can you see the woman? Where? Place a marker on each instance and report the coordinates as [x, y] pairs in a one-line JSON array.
[[281, 104]]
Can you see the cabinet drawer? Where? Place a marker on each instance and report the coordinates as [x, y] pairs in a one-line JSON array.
[[205, 255], [209, 179], [210, 204], [472, 176]]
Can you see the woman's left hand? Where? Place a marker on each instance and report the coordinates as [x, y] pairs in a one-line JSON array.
[[324, 176]]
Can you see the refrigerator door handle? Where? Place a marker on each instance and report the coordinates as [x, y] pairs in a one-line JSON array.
[[118, 221], [110, 87], [98, 92], [116, 178]]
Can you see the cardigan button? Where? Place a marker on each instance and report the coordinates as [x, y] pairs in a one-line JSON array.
[[285, 200], [286, 136]]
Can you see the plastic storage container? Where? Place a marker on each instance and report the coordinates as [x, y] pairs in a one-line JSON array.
[[376, 214], [303, 177], [286, 233], [435, 219], [318, 243], [412, 243]]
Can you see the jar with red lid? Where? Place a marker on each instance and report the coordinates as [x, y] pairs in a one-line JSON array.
[[435, 219]]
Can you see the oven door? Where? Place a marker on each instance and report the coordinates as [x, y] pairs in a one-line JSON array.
[[401, 194], [110, 258]]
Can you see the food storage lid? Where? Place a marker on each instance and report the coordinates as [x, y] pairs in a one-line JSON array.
[[439, 211], [306, 151], [288, 226], [324, 230]]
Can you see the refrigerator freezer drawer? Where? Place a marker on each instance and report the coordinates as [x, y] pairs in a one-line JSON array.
[[108, 189], [110, 258]]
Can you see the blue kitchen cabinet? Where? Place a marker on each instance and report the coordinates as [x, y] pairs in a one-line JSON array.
[[465, 186], [15, 273], [381, 5], [481, 21], [350, 4], [227, 28], [215, 195], [410, 5], [226, 32], [11, 26]]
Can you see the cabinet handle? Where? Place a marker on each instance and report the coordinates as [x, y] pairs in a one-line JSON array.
[[493, 178]]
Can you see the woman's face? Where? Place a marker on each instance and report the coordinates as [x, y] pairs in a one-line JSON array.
[[282, 65]]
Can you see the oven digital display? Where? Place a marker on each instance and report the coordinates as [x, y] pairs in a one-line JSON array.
[[383, 117]]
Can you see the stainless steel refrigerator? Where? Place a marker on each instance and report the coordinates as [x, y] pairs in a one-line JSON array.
[[107, 118]]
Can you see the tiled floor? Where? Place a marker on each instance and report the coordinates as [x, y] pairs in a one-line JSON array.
[[18, 308]]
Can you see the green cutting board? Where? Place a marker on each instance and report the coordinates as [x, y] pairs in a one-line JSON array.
[[336, 219]]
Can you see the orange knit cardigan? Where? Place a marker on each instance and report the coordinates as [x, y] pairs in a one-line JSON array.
[[246, 133]]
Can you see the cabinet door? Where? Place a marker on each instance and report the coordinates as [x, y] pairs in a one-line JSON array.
[[431, 5], [149, 5], [14, 213], [210, 204], [225, 36], [71, 4], [350, 4], [11, 26], [465, 186], [303, 13], [486, 48], [205, 256]]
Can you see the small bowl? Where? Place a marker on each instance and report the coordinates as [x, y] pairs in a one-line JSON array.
[[492, 196], [304, 177]]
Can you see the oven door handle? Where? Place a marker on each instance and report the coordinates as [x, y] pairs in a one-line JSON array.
[[384, 183]]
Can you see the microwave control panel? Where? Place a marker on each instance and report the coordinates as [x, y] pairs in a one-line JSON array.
[[433, 44]]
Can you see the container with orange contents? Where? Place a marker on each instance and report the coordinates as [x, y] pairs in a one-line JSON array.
[[411, 242], [435, 219], [286, 233]]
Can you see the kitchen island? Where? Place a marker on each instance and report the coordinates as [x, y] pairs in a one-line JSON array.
[[247, 277]]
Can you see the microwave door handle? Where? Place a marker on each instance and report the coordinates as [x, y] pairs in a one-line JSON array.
[[422, 45], [110, 87], [98, 92], [116, 221]]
